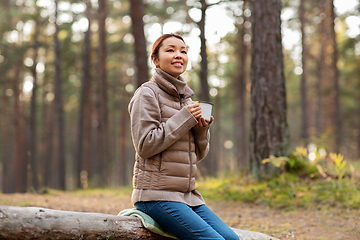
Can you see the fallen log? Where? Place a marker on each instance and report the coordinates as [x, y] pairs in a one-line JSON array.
[[43, 223]]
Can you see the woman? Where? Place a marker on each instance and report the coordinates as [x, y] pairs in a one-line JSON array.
[[170, 136]]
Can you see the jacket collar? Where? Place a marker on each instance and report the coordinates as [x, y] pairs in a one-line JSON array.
[[171, 85]]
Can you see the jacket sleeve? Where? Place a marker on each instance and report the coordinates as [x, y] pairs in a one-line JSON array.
[[202, 141], [151, 136]]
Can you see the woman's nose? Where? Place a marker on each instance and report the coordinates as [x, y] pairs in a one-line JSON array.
[[177, 54]]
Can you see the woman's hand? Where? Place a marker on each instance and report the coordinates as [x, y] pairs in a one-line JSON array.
[[203, 122], [194, 109]]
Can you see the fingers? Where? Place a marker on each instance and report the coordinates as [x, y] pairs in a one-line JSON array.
[[211, 119], [204, 123], [194, 109]]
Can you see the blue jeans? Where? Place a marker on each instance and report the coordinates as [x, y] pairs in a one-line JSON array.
[[186, 222]]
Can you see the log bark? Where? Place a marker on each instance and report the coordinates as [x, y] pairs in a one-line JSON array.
[[43, 223]]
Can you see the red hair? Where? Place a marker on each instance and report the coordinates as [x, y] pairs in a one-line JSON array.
[[158, 43]]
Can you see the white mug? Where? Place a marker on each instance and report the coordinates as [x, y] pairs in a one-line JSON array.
[[206, 108]]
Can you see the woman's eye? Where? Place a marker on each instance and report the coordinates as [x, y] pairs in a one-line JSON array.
[[184, 52], [170, 50]]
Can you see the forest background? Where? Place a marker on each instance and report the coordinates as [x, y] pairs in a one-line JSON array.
[[69, 68]]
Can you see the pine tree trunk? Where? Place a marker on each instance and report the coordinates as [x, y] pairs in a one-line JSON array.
[[33, 114], [19, 122], [141, 58], [204, 93], [241, 139], [320, 72], [60, 166], [82, 162], [8, 168], [102, 109], [269, 128], [46, 142], [304, 101], [337, 113]]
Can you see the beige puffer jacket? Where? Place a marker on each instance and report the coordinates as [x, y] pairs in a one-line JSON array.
[[168, 144]]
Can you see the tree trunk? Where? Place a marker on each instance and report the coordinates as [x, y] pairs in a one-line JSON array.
[[304, 101], [204, 93], [6, 133], [320, 72], [82, 157], [102, 101], [46, 142], [240, 98], [19, 143], [60, 166], [269, 128], [43, 223], [337, 114], [48, 170], [137, 26], [33, 113]]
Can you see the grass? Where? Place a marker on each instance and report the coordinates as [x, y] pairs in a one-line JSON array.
[[286, 191]]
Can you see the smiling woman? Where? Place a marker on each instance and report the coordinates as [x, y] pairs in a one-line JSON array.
[[171, 136]]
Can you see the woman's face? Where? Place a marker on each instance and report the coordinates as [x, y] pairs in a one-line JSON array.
[[173, 57]]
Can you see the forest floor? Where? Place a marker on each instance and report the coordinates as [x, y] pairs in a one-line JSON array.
[[308, 224]]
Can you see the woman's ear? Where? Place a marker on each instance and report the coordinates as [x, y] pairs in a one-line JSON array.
[[155, 61]]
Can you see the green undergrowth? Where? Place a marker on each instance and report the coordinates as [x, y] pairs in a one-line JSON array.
[[286, 191]]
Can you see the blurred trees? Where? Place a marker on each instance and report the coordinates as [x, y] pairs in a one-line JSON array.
[[68, 75]]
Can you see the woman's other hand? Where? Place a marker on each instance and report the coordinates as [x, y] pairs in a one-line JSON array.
[[203, 122]]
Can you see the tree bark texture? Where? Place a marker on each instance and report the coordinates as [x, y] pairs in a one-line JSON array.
[[241, 138], [84, 125], [141, 58], [8, 182], [33, 115], [337, 114], [320, 72], [19, 127], [60, 166], [303, 85], [204, 94], [42, 223], [269, 128], [102, 105]]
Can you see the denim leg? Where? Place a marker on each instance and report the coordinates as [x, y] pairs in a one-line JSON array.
[[215, 222], [179, 219]]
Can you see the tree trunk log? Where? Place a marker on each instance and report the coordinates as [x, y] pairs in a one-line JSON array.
[[43, 223]]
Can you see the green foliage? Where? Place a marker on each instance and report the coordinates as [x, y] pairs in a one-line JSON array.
[[278, 162], [299, 184], [286, 191], [339, 164], [300, 166]]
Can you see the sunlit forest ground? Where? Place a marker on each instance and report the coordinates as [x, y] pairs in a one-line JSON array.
[[288, 205]]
